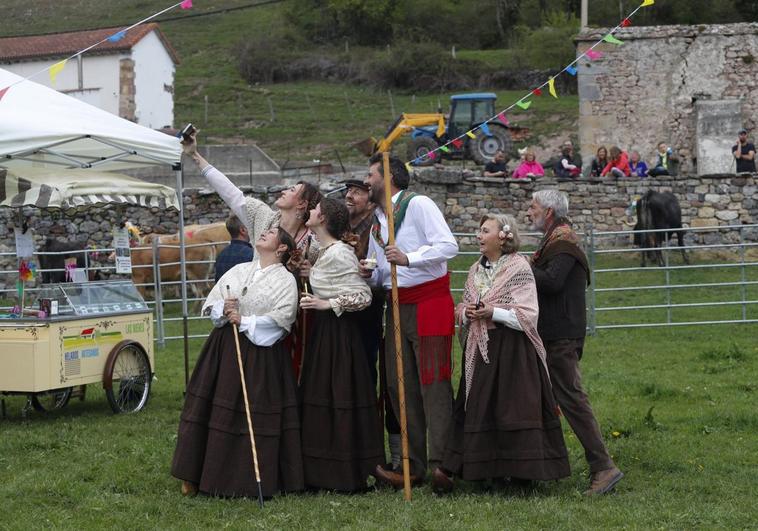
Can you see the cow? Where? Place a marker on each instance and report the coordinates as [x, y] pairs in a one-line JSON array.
[[62, 251], [657, 210], [201, 248]]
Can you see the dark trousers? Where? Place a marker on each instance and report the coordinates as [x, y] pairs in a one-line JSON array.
[[429, 408], [658, 170], [563, 357]]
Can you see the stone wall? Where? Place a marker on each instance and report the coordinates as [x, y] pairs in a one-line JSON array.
[[705, 201], [647, 89]]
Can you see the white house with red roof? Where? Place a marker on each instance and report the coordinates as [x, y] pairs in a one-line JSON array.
[[132, 77]]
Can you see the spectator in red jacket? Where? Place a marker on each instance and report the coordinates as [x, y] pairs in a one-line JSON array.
[[618, 165]]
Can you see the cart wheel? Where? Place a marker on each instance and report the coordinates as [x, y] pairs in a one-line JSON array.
[[51, 400], [127, 377]]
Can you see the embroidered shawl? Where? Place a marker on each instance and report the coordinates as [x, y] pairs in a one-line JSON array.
[[273, 292], [508, 284], [335, 277]]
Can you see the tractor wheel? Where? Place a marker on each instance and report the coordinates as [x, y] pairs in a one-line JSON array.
[[419, 149], [482, 148]]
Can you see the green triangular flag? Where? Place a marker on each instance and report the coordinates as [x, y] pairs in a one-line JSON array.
[[613, 40], [523, 104]]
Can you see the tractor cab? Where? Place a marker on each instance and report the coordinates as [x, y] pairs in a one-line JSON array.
[[469, 110]]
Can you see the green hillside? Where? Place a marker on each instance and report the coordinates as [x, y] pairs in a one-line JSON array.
[[310, 119]]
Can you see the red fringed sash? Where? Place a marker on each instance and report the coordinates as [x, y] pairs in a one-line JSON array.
[[435, 322]]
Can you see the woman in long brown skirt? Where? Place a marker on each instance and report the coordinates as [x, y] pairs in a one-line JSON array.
[[342, 435], [213, 452], [505, 418]]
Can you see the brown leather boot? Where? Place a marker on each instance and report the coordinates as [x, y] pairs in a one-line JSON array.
[[189, 489], [604, 481], [441, 482]]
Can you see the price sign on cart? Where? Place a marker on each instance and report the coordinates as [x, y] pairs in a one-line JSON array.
[[123, 254]]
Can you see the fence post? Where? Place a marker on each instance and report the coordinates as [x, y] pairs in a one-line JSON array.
[[743, 276], [668, 281], [157, 295], [591, 257]]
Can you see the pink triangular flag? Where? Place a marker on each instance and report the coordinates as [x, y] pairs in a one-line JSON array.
[[503, 119], [3, 91], [186, 4], [592, 54]]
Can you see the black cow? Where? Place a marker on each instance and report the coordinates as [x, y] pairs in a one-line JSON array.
[[658, 210], [58, 261]]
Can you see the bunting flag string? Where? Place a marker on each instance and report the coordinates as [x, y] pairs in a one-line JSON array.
[[56, 68], [524, 103]]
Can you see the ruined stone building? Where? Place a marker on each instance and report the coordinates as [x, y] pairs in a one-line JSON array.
[[692, 87]]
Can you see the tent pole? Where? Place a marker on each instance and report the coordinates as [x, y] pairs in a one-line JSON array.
[[183, 268]]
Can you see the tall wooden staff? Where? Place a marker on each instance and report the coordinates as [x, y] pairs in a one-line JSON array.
[[396, 325], [247, 410]]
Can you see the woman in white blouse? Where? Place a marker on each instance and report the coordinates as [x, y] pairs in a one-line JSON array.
[[505, 419], [342, 437], [213, 448]]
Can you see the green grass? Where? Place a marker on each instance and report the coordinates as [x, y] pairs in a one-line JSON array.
[[676, 406], [312, 120]]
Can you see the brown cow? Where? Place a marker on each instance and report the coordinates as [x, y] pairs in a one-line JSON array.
[[200, 258]]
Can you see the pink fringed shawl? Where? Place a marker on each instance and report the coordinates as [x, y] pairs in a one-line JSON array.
[[509, 285]]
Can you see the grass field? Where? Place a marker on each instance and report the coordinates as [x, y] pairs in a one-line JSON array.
[[676, 406]]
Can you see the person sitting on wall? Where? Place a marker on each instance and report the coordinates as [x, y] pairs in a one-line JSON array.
[[637, 166], [744, 153], [497, 167], [599, 162], [618, 166], [666, 162], [569, 166], [529, 167]]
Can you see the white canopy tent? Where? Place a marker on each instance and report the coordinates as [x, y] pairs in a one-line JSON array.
[[42, 129], [41, 126]]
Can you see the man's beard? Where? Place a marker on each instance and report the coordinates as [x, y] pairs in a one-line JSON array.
[[538, 224], [376, 196]]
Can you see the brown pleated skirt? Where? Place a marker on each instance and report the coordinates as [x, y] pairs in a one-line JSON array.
[[213, 448], [342, 434], [510, 427]]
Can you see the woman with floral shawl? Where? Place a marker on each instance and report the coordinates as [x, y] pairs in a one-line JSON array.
[[505, 420]]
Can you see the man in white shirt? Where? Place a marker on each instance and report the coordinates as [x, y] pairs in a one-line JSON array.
[[423, 245]]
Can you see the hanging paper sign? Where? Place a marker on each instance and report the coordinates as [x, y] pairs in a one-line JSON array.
[[626, 23], [24, 243], [613, 40], [592, 54], [186, 4], [117, 36], [503, 119], [470, 134], [537, 91], [571, 70], [457, 143], [56, 69], [551, 87], [523, 104], [123, 256], [646, 3]]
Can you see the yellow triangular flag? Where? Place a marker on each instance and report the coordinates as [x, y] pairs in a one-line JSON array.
[[470, 134], [551, 87], [646, 3], [56, 69], [408, 167]]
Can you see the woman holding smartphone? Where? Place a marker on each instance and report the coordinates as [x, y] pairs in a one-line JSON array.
[[505, 420]]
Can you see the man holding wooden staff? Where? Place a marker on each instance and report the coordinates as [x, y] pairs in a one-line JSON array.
[[423, 245]]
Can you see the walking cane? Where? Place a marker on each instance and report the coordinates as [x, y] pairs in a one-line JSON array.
[[305, 317], [247, 410], [396, 326]]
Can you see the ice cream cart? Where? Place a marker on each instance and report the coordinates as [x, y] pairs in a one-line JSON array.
[[89, 332]]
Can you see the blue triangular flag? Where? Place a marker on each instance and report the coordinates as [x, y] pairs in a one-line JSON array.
[[571, 70], [117, 36], [485, 129]]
